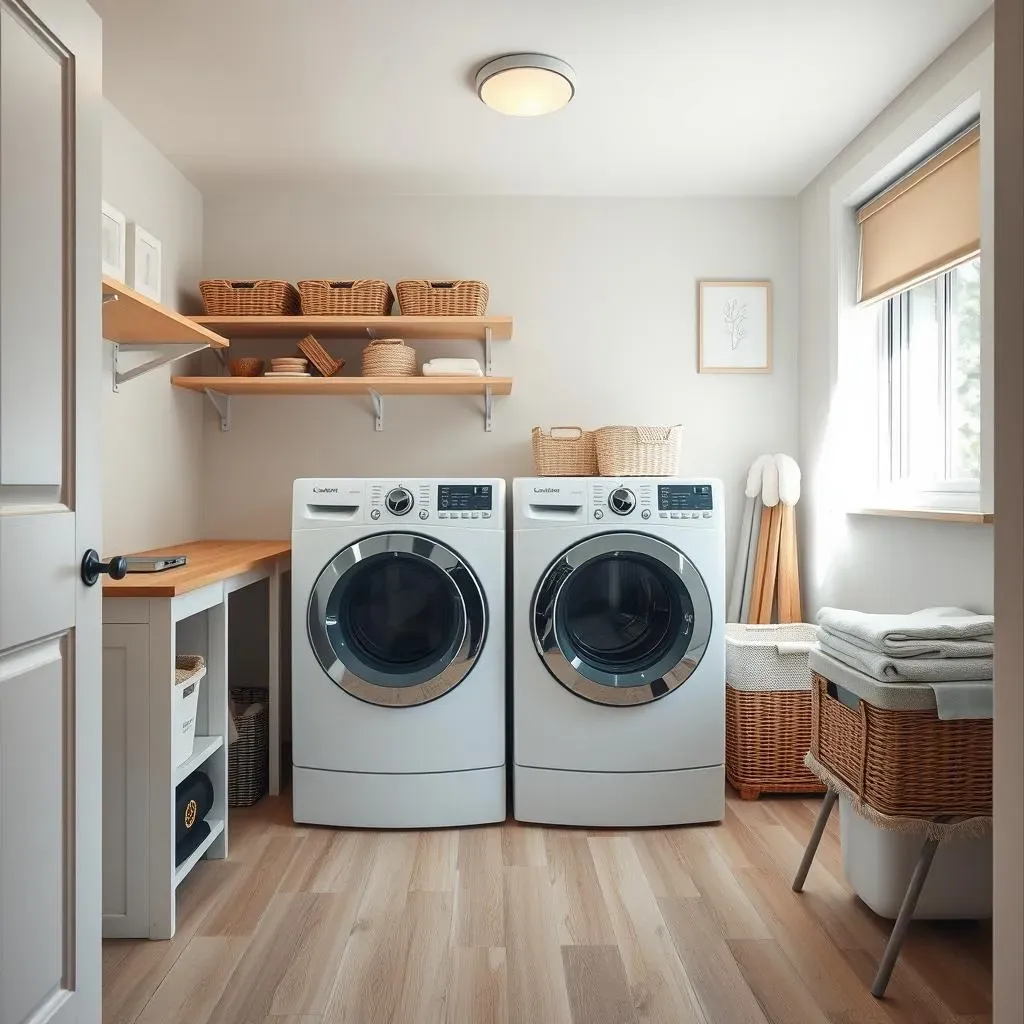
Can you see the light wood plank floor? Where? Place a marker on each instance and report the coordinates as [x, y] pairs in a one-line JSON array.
[[521, 925]]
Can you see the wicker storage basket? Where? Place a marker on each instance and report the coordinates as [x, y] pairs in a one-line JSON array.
[[564, 451], [366, 297], [906, 763], [638, 451], [389, 357], [249, 755], [768, 709], [442, 298], [249, 298]]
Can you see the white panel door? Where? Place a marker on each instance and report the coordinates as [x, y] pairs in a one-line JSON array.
[[50, 358]]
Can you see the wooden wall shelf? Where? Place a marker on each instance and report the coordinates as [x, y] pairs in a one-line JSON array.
[[935, 515], [412, 328], [133, 319]]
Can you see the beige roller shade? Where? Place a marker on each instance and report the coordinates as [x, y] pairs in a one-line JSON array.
[[924, 224]]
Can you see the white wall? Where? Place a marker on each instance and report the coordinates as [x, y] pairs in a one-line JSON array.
[[603, 292], [883, 564], [153, 440]]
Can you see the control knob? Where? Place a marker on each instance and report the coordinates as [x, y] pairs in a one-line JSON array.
[[622, 501], [399, 501]]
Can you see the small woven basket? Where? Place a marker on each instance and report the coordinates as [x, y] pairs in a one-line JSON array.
[[907, 763], [249, 755], [564, 451], [249, 298], [638, 451], [389, 357], [366, 297], [442, 298], [247, 366]]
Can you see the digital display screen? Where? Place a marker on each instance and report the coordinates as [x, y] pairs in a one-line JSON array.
[[684, 497], [464, 497]]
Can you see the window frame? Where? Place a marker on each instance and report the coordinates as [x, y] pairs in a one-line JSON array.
[[893, 488]]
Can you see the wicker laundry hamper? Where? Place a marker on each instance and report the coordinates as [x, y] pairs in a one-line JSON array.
[[564, 451], [768, 708], [249, 755]]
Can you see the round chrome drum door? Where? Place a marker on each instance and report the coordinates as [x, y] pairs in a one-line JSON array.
[[622, 618], [397, 619]]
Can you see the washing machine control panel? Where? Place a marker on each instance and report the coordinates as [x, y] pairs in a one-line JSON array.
[[466, 502], [399, 502], [646, 500]]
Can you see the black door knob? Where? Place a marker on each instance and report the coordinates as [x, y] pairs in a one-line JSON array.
[[117, 567]]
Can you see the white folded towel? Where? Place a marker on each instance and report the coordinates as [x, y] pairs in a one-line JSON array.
[[930, 633], [451, 367], [887, 669]]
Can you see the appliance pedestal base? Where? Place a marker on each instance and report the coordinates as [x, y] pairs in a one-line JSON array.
[[370, 800], [618, 799]]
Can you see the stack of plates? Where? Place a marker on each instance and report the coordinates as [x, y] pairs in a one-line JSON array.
[[290, 366]]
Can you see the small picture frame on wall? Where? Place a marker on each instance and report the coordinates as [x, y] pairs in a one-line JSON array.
[[145, 263], [112, 240], [735, 327]]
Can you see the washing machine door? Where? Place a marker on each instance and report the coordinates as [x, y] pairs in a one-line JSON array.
[[397, 619], [621, 618]]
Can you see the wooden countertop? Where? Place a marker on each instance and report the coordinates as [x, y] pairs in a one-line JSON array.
[[209, 561]]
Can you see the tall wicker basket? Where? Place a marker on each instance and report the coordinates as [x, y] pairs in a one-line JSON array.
[[768, 709], [249, 755], [564, 451]]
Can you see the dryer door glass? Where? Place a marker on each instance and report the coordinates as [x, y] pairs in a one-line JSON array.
[[622, 618], [397, 619]]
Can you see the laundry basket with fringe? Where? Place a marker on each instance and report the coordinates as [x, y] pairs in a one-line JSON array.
[[768, 708], [389, 357], [564, 451], [638, 451]]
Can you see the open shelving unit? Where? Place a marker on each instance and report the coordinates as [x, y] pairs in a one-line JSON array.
[[137, 323], [202, 750], [181, 872], [485, 329]]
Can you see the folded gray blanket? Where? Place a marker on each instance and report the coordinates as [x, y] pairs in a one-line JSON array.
[[903, 670], [929, 633]]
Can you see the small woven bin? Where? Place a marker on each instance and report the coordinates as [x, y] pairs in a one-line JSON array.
[[249, 298], [903, 763], [564, 451], [249, 755], [365, 297], [389, 357], [638, 451], [768, 709], [442, 298]]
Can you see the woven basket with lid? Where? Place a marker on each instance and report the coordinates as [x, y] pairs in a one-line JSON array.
[[638, 451], [442, 298], [365, 297], [389, 357], [249, 298], [564, 451]]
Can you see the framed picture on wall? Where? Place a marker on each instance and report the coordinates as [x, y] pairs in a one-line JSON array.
[[735, 327], [145, 262], [112, 240]]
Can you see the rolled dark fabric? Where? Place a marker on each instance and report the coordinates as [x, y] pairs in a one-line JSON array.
[[199, 831], [193, 801]]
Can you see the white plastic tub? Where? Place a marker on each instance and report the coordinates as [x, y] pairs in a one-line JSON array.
[[878, 865], [189, 672]]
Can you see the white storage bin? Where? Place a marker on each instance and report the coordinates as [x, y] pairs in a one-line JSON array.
[[189, 670], [878, 865]]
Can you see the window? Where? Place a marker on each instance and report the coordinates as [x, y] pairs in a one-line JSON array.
[[930, 430]]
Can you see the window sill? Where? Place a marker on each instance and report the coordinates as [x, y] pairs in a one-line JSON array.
[[934, 514]]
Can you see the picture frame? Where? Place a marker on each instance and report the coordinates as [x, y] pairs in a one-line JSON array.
[[735, 327], [146, 262], [113, 239]]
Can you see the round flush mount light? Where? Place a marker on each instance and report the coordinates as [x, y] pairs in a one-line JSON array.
[[526, 84]]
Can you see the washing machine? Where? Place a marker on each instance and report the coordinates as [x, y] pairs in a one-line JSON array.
[[619, 651], [398, 652]]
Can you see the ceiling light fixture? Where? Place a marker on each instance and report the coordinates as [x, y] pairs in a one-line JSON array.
[[526, 84]]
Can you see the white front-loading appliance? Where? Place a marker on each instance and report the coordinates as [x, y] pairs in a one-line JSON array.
[[398, 652], [618, 651]]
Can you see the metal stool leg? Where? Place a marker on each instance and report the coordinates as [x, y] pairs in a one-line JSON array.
[[812, 844], [899, 930]]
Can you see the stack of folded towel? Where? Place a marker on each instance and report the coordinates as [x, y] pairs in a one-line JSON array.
[[452, 367], [929, 646]]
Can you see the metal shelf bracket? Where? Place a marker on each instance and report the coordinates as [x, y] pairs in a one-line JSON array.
[[378, 409], [167, 354], [488, 408], [488, 338], [222, 403]]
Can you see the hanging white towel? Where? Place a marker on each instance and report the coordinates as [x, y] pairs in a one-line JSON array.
[[450, 367]]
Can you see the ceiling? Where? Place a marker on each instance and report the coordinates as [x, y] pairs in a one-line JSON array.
[[674, 97]]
